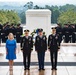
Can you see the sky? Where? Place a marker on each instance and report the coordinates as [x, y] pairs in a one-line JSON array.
[[44, 2]]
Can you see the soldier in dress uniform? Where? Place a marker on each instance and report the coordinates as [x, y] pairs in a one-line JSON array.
[[6, 30], [19, 32], [41, 47], [26, 47], [53, 46], [75, 27], [4, 33], [11, 29], [66, 33], [73, 33], [59, 32], [1, 27]]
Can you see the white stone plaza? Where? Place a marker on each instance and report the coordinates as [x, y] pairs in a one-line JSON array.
[[66, 62]]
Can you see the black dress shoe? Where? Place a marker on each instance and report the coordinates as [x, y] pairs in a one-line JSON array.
[[55, 68], [39, 69], [43, 69], [52, 68], [28, 69], [25, 69]]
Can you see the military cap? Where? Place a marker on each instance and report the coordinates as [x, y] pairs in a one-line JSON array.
[[58, 23], [53, 28], [65, 24], [26, 30], [18, 24], [40, 30], [7, 22]]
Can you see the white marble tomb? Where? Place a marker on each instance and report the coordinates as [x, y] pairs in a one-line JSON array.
[[38, 18]]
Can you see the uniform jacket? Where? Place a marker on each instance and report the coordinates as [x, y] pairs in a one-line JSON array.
[[26, 44], [40, 43], [53, 43], [19, 31]]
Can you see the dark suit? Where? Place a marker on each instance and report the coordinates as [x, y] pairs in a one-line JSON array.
[[53, 46], [27, 47], [41, 47]]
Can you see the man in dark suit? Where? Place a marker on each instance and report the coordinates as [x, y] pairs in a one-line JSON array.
[[19, 32], [53, 46], [26, 47], [41, 47]]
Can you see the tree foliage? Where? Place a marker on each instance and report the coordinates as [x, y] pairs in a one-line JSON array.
[[58, 13], [9, 16], [68, 16]]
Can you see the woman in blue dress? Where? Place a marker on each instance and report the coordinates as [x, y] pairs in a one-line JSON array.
[[11, 50]]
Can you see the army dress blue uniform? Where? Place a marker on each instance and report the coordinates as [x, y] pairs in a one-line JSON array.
[[11, 29], [66, 32], [1, 27], [73, 34], [53, 46], [19, 32], [3, 35], [60, 34], [41, 47], [27, 47]]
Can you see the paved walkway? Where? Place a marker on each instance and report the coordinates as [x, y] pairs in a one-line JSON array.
[[65, 55]]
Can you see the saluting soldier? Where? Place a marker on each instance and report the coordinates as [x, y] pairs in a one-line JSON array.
[[41, 47], [66, 33], [5, 32], [59, 32], [19, 32], [2, 34], [73, 34], [11, 29], [1, 27], [53, 46], [26, 47]]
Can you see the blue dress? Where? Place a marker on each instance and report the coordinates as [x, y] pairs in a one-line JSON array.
[[11, 49]]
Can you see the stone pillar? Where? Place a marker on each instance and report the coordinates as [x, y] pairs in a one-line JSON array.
[[40, 18]]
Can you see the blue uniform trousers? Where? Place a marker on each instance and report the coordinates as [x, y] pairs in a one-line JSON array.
[[41, 56]]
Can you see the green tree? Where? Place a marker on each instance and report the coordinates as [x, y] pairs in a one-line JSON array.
[[9, 16], [55, 12], [55, 15], [29, 5], [23, 17], [68, 16]]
